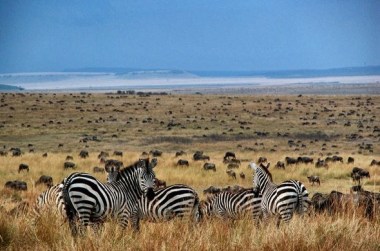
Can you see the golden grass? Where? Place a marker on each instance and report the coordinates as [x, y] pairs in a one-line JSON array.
[[212, 116]]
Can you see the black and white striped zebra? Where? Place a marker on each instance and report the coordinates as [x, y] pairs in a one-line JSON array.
[[169, 202], [284, 199], [232, 205], [91, 201], [51, 199]]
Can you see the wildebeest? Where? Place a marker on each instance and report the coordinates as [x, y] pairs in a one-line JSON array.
[[280, 165], [118, 153], [334, 159], [305, 160], [314, 179], [23, 167], [290, 161], [16, 152], [159, 183], [209, 166], [69, 157], [44, 155], [44, 179], [229, 155], [68, 165], [212, 190], [262, 160], [198, 155], [103, 154], [16, 185], [97, 169], [231, 174], [156, 153], [375, 162], [83, 154], [3, 153], [321, 163], [358, 173], [350, 160], [182, 162], [232, 166], [242, 175], [180, 153]]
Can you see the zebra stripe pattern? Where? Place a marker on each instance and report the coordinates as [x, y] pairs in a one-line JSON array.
[[283, 199], [92, 201], [232, 205], [51, 199], [169, 202]]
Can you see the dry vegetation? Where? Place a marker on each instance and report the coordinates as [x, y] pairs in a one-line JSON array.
[[251, 126]]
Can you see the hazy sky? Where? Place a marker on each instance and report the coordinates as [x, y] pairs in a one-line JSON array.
[[52, 35]]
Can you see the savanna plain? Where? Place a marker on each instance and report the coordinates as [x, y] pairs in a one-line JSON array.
[[273, 126]]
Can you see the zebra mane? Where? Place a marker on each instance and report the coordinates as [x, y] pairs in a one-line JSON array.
[[134, 166], [265, 169]]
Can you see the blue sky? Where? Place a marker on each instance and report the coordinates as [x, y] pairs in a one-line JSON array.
[[188, 34]]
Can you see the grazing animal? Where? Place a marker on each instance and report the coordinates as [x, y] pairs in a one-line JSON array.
[[84, 154], [350, 160], [103, 154], [112, 168], [229, 155], [44, 155], [169, 202], [280, 165], [209, 166], [231, 174], [44, 179], [242, 175], [97, 169], [68, 165], [198, 155], [156, 153], [180, 153], [16, 152], [232, 166], [159, 183], [69, 157], [182, 162], [262, 160], [16, 185], [321, 163], [118, 153], [358, 173], [51, 199], [375, 162], [212, 190], [305, 160], [226, 205], [23, 167], [283, 199], [92, 201], [314, 179], [290, 161]]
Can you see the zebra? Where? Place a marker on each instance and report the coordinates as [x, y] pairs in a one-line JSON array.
[[172, 201], [283, 199], [51, 198], [232, 205], [91, 201]]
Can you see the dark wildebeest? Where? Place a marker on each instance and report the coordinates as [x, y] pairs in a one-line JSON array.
[[229, 155], [16, 152], [358, 173], [68, 165], [350, 160], [231, 174], [103, 154], [118, 153], [44, 155], [321, 163], [209, 166], [44, 179], [314, 179], [182, 162], [23, 167], [16, 185], [97, 169], [242, 175], [69, 157], [232, 166], [198, 155], [375, 162], [290, 161], [180, 153], [112, 167], [212, 190], [305, 160], [156, 153], [3, 153], [280, 165], [159, 183], [262, 160], [83, 154]]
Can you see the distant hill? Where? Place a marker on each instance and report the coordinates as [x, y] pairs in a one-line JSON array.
[[10, 88]]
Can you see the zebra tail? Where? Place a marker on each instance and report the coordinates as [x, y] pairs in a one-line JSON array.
[[197, 214], [70, 209]]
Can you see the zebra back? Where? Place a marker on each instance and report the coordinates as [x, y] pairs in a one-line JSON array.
[[232, 205]]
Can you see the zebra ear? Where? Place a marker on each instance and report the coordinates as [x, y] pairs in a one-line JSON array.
[[253, 166]]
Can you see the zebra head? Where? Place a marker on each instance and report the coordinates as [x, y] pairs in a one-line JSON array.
[[261, 177], [146, 178], [112, 168]]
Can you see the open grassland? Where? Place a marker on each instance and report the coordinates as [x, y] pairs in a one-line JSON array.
[[250, 126]]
